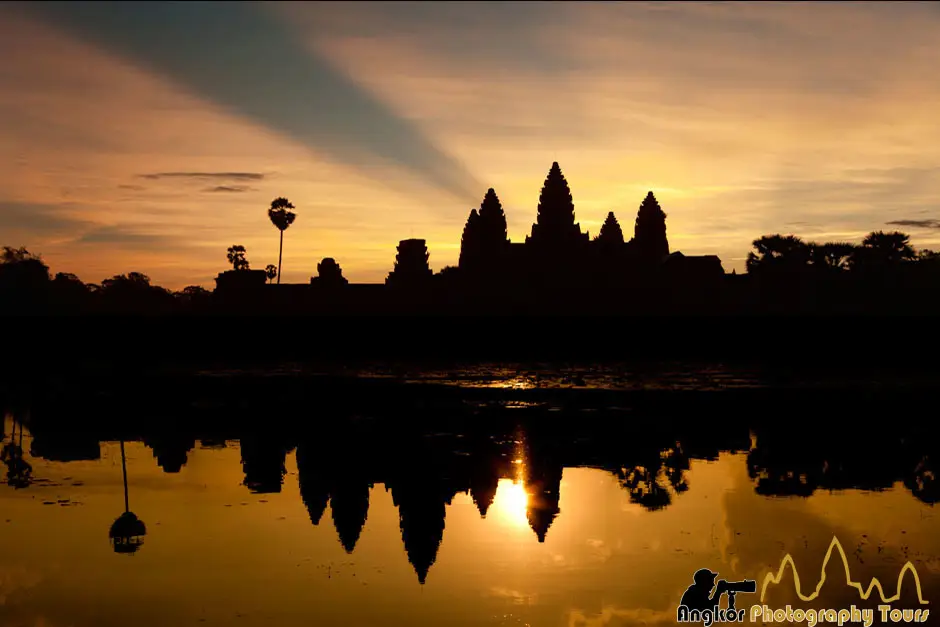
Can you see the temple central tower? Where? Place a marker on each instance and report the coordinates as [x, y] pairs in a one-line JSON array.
[[555, 227]]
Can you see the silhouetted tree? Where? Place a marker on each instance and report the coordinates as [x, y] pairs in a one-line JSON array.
[[68, 278], [411, 263], [194, 295], [131, 280], [644, 483], [24, 277], [19, 471], [555, 221], [778, 252], [134, 290], [194, 291], [611, 233], [236, 257], [649, 235], [282, 217], [270, 271], [17, 255], [922, 481], [880, 250], [69, 290], [834, 256], [675, 466], [928, 266], [927, 255]]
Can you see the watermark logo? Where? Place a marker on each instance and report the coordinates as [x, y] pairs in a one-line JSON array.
[[701, 603]]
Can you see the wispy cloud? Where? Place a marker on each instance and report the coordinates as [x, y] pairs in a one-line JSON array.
[[125, 236], [229, 189], [39, 220], [917, 224], [231, 176], [243, 57]]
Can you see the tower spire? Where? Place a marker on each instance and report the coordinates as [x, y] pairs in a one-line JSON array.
[[555, 222]]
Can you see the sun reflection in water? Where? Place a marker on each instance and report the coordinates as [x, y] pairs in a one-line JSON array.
[[511, 383], [511, 503]]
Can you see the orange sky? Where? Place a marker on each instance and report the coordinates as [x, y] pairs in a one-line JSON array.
[[811, 118]]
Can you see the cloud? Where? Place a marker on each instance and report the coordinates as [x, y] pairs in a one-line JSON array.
[[243, 57], [847, 201], [38, 219], [232, 176], [230, 188], [917, 224], [121, 236]]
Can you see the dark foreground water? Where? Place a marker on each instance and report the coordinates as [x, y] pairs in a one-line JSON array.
[[500, 526]]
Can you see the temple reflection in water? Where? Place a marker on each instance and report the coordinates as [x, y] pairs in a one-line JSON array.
[[513, 475]]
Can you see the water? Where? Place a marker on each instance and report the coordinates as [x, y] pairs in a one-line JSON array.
[[243, 533]]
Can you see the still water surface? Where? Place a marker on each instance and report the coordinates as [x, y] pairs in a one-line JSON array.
[[220, 552]]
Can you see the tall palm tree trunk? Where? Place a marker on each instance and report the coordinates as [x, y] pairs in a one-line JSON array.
[[280, 254]]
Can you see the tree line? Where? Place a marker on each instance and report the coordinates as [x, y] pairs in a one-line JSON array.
[[26, 283], [878, 251]]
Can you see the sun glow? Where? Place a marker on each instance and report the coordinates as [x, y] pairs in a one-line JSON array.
[[511, 503]]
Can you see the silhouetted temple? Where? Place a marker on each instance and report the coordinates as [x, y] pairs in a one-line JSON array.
[[558, 252], [492, 269]]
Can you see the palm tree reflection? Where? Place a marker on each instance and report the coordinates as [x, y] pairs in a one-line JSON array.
[[19, 471], [127, 532]]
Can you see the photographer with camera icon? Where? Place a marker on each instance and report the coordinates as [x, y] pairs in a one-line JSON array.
[[700, 596]]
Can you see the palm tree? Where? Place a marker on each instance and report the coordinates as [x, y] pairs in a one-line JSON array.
[[128, 531], [778, 252], [270, 271], [887, 249], [835, 256], [19, 471], [282, 217]]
